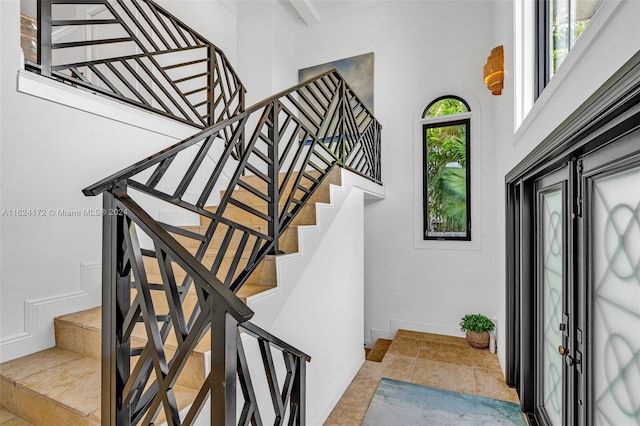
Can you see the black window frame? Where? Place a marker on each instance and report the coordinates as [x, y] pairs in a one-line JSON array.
[[446, 121], [544, 44]]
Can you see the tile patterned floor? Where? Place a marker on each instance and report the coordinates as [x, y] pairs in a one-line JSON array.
[[427, 359]]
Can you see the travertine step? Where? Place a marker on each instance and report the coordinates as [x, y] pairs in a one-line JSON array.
[[80, 332], [59, 387]]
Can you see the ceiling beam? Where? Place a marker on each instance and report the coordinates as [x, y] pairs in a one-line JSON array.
[[306, 11]]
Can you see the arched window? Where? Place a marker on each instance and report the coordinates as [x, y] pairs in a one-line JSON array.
[[446, 173]]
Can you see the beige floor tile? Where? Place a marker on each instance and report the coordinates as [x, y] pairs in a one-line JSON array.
[[345, 416], [396, 367], [444, 362], [360, 392], [485, 359], [410, 334], [445, 352], [444, 375], [406, 346], [492, 385]]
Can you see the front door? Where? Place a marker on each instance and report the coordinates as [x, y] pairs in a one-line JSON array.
[[610, 233], [553, 293], [587, 286]]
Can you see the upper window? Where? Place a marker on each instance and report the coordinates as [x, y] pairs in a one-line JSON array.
[[559, 24], [446, 148]]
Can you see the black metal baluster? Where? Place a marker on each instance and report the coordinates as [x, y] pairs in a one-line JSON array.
[[274, 172], [299, 393], [224, 365], [116, 294]]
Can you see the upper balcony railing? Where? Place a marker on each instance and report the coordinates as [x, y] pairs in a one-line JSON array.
[[137, 52]]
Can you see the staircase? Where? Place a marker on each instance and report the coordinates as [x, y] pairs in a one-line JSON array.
[[174, 335], [61, 385]]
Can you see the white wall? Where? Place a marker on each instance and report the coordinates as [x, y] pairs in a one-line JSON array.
[[422, 50], [612, 37], [266, 51], [49, 153], [209, 18], [324, 315]]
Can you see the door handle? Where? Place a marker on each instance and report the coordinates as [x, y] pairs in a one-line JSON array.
[[570, 360]]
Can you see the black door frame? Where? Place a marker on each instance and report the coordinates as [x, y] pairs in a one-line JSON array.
[[559, 179], [610, 113]]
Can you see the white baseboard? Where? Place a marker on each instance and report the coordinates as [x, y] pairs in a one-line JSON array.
[[39, 314]]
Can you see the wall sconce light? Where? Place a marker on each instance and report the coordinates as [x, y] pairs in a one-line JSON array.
[[494, 71]]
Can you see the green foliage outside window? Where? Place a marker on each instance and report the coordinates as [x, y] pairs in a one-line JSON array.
[[447, 178], [446, 170], [561, 41]]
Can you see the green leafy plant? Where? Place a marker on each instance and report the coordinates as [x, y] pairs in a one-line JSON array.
[[477, 323]]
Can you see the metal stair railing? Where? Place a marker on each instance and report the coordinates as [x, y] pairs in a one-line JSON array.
[[279, 152], [137, 52]]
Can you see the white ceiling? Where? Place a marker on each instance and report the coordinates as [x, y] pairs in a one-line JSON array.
[[298, 12], [305, 12]]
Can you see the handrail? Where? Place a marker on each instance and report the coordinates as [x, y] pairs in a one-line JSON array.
[[258, 332], [286, 167], [142, 165], [162, 64], [246, 189]]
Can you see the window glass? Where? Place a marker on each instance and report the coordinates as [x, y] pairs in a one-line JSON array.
[[445, 106], [446, 171], [560, 24]]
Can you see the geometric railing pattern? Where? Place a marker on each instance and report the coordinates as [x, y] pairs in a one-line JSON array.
[[288, 398], [244, 190], [160, 325], [137, 52], [279, 151]]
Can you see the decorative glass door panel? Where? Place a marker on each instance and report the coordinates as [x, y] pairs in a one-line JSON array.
[[552, 275], [615, 250]]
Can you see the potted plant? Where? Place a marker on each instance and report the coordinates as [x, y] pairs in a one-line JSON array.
[[477, 329]]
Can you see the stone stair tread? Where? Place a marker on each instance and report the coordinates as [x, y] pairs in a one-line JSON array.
[[20, 368], [62, 381], [74, 384], [90, 318], [249, 289]]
